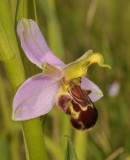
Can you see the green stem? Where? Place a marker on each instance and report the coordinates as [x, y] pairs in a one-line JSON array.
[[80, 142], [14, 68], [34, 139], [32, 128], [15, 72]]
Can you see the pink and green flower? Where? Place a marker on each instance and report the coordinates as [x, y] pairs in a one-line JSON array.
[[63, 85]]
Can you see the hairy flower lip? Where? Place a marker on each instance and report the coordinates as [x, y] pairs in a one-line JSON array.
[[38, 95], [81, 109]]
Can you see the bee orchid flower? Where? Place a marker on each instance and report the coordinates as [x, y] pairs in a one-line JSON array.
[[63, 85]]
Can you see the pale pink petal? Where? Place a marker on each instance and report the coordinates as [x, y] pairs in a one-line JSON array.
[[34, 44], [35, 97], [96, 93]]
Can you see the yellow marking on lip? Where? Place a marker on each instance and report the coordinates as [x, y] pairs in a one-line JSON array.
[[74, 114], [86, 107], [81, 123], [82, 108]]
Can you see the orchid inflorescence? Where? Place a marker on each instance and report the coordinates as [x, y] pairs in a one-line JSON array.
[[60, 84]]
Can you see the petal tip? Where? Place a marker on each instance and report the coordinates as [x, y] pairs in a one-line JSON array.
[[34, 44]]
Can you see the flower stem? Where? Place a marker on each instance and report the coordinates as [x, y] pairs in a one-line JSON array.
[[32, 128], [34, 139], [80, 142], [14, 68]]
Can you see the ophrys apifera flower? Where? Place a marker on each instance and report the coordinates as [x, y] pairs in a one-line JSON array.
[[63, 85]]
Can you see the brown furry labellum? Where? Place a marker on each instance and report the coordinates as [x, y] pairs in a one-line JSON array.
[[77, 104]]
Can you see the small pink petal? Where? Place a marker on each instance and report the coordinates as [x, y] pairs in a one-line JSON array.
[[34, 44], [96, 93], [35, 97]]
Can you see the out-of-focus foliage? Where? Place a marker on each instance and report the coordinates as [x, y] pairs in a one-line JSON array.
[[103, 26], [70, 151]]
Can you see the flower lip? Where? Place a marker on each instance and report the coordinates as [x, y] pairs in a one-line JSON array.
[[78, 105], [85, 112], [86, 120]]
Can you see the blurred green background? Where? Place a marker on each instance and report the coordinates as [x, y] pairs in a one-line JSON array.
[[71, 28]]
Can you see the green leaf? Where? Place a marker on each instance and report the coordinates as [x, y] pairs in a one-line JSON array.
[[26, 9], [70, 152], [9, 52], [8, 44]]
